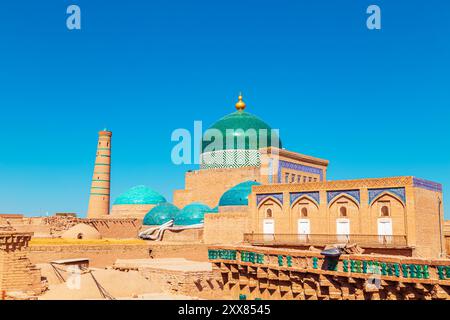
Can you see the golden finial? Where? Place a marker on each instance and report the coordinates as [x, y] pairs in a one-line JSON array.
[[240, 105]]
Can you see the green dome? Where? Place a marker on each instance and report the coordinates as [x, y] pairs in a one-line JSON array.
[[162, 213], [140, 195], [238, 195], [191, 214], [245, 121]]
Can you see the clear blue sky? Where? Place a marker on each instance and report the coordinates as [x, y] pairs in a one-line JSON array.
[[375, 103]]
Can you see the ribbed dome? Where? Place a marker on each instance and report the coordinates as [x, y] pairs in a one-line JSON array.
[[238, 195], [162, 213], [244, 121], [191, 214], [140, 195]]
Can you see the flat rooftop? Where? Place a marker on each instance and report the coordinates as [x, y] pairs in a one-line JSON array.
[[172, 264]]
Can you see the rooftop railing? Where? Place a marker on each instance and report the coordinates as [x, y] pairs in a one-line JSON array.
[[393, 241], [352, 265]]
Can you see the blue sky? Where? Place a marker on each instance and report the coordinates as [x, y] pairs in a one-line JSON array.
[[374, 103]]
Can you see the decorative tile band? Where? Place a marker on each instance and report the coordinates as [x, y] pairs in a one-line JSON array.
[[428, 185], [297, 167], [331, 195], [235, 158], [314, 195], [261, 197], [400, 192]]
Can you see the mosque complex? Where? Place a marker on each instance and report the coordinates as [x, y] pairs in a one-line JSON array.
[[265, 217], [270, 190]]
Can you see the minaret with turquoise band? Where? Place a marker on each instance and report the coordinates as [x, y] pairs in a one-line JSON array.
[[100, 189]]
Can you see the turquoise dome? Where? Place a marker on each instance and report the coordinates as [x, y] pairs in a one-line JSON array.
[[245, 121], [140, 195], [162, 213], [191, 214], [238, 195]]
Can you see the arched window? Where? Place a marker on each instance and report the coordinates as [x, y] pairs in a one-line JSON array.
[[343, 211], [269, 213], [384, 211], [304, 212]]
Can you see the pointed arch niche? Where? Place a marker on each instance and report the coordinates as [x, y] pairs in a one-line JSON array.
[[387, 205], [270, 208], [344, 206], [305, 207]]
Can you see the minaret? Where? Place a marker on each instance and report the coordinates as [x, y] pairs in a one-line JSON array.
[[100, 188]]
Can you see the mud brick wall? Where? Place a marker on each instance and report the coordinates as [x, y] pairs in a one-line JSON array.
[[99, 255], [116, 228], [17, 273], [201, 284], [189, 251], [226, 227]]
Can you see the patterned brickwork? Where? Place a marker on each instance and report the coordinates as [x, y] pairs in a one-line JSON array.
[[337, 185]]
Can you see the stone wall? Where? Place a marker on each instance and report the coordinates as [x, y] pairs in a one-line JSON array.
[[17, 273]]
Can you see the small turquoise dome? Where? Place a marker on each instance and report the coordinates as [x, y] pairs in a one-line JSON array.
[[191, 214], [238, 195], [162, 213], [140, 195]]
